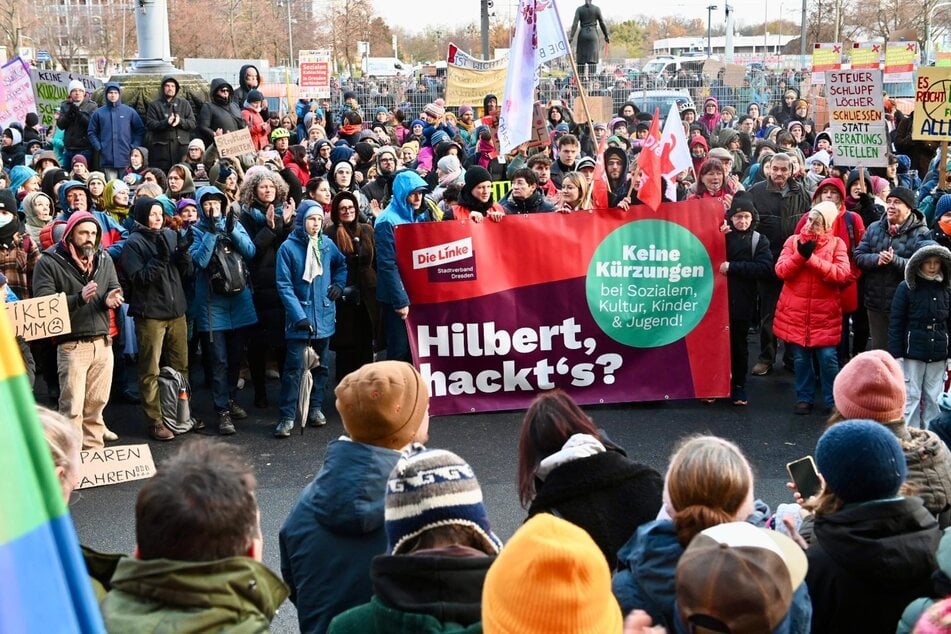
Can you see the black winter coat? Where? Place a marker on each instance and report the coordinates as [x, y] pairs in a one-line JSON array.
[[74, 121], [868, 561], [746, 267], [921, 311], [881, 281], [606, 494], [216, 114], [264, 264], [156, 122], [779, 211], [154, 287], [536, 203]]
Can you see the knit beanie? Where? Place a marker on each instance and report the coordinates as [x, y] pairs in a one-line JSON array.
[[198, 143], [861, 461], [943, 206], [383, 403], [429, 488], [464, 109], [434, 110], [364, 151], [829, 211], [75, 85], [905, 195], [439, 136], [474, 175], [551, 577], [741, 202], [79, 158], [142, 209], [871, 386]]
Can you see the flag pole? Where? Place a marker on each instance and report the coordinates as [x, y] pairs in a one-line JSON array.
[[581, 93]]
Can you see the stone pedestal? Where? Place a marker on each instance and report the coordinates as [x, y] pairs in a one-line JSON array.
[[138, 89]]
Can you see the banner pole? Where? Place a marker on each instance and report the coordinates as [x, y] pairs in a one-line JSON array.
[[942, 163], [581, 94]]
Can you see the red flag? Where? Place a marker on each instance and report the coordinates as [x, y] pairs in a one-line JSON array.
[[599, 186], [649, 160]]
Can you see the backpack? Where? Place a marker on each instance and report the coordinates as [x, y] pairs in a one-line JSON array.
[[227, 271], [174, 397]]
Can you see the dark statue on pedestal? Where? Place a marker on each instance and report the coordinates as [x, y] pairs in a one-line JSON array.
[[588, 47]]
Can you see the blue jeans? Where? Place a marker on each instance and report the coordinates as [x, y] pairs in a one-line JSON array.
[[828, 360], [397, 342], [290, 380], [225, 348]]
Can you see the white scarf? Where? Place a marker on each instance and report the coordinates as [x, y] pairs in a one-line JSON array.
[[312, 265]]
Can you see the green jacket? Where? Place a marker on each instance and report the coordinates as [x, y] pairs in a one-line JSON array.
[[235, 595], [376, 618]]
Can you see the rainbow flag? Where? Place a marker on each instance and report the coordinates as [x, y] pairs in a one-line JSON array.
[[44, 586]]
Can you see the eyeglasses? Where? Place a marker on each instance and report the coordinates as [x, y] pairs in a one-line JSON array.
[[387, 160], [346, 208]]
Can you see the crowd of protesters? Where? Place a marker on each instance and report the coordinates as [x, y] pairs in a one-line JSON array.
[[241, 269]]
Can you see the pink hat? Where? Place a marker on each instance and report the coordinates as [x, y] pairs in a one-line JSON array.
[[871, 387]]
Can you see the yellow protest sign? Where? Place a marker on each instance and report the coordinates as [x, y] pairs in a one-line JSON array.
[[932, 118], [866, 55], [900, 58]]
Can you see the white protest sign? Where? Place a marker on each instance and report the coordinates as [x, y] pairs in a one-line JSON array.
[[856, 117], [235, 143], [112, 465]]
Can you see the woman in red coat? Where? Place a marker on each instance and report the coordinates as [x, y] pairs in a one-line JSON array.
[[850, 227], [814, 267]]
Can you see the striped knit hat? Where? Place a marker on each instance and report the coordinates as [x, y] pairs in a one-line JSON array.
[[429, 488]]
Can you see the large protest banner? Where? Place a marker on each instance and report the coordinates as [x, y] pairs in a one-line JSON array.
[[468, 79], [51, 90], [932, 116], [857, 118], [16, 92], [610, 306]]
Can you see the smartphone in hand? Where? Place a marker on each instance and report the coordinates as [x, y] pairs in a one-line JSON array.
[[805, 476]]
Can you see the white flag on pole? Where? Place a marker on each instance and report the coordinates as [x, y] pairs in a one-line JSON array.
[[675, 156], [539, 38]]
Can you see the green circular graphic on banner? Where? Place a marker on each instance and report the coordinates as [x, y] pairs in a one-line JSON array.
[[649, 283]]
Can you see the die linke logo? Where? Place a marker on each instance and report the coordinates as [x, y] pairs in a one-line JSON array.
[[447, 262]]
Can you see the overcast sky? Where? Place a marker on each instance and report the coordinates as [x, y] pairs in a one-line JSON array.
[[420, 15]]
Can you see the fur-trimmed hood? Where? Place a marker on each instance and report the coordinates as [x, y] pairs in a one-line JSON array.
[[929, 249]]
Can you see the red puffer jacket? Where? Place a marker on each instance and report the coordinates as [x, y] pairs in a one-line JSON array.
[[809, 312]]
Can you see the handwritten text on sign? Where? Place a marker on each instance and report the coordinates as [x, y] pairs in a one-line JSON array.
[[234, 143], [40, 317], [113, 465], [857, 122]]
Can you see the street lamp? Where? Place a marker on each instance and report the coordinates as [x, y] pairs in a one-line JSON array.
[[710, 10], [928, 45], [290, 38]]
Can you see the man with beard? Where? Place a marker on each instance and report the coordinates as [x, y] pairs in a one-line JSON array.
[[380, 188], [77, 267], [169, 120], [619, 184]]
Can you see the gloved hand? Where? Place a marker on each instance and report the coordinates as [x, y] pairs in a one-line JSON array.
[[161, 248], [185, 240], [229, 223], [806, 248], [334, 292], [304, 325]]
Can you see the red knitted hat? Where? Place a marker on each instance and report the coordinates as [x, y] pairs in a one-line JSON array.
[[871, 386]]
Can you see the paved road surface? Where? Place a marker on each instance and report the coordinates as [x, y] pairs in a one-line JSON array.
[[767, 431]]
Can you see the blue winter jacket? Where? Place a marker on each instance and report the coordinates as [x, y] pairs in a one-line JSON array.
[[646, 580], [303, 300], [334, 531], [114, 129], [213, 312], [389, 285], [921, 310]]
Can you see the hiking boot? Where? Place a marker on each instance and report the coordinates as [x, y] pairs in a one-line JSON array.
[[738, 396], [802, 408], [110, 436], [237, 412], [283, 429], [762, 368], [316, 419], [158, 431], [225, 424]]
